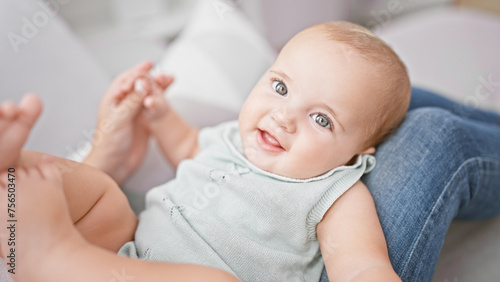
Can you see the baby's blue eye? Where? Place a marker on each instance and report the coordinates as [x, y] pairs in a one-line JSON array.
[[322, 120], [280, 88]]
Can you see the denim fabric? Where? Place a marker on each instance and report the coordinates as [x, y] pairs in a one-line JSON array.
[[442, 163]]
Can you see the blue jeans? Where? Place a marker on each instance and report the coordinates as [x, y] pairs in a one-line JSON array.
[[443, 163]]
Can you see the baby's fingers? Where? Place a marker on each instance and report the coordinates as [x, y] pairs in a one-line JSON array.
[[132, 75], [124, 83], [154, 103], [150, 87], [155, 107], [143, 86], [164, 80], [149, 103]]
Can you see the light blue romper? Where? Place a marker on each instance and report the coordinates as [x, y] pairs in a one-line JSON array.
[[222, 211]]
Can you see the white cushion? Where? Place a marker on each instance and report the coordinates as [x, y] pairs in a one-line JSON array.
[[53, 63]]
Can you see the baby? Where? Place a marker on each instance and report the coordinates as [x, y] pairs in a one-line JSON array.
[[270, 197]]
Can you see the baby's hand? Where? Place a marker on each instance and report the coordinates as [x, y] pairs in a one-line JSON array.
[[121, 137], [155, 104]]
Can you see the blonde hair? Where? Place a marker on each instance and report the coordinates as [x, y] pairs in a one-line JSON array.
[[395, 93]]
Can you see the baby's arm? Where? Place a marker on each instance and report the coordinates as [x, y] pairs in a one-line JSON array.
[[177, 139], [352, 243]]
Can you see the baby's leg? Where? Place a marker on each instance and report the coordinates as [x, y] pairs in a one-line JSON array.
[[98, 208], [48, 248], [38, 213]]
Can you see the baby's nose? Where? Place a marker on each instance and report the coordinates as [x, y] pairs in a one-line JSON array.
[[285, 118]]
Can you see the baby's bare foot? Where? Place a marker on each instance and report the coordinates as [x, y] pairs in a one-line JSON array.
[[38, 218], [16, 123]]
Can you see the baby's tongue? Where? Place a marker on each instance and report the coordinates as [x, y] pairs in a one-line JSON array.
[[271, 140]]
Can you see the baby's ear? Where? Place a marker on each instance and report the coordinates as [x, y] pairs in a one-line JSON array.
[[370, 151]]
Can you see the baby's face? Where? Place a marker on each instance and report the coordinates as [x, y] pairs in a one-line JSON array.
[[308, 113]]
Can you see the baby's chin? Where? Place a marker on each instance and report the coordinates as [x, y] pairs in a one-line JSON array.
[[252, 156], [283, 170]]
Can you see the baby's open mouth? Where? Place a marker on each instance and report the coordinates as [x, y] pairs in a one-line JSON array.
[[268, 142]]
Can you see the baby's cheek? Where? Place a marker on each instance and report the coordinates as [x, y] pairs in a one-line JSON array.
[[249, 147], [318, 161]]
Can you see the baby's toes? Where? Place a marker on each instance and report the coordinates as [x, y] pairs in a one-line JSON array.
[[31, 107], [9, 110]]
